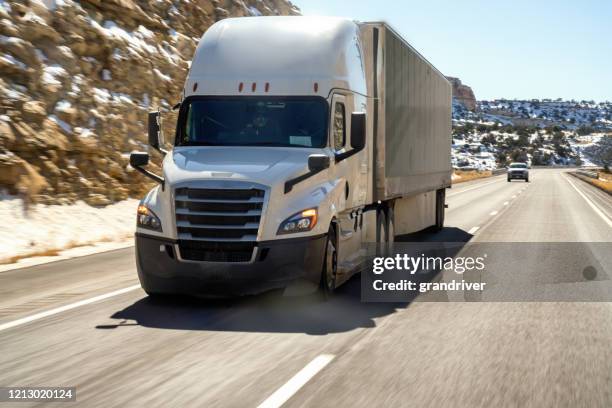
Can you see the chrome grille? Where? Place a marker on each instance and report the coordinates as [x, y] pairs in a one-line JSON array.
[[218, 224]]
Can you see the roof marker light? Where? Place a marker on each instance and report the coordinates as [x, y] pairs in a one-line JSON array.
[[253, 87], [240, 87], [195, 86], [267, 86], [316, 87]]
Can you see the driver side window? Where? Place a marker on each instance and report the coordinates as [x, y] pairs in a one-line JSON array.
[[339, 131]]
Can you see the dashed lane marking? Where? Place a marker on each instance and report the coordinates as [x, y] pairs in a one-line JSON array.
[[296, 382]]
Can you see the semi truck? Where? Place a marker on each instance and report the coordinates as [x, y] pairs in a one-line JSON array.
[[298, 141]]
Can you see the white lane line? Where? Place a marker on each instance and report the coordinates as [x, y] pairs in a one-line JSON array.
[[591, 204], [65, 308], [514, 196], [493, 213], [473, 230], [505, 202], [296, 382], [472, 188]]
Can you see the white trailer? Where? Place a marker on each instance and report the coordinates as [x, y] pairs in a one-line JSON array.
[[298, 140]]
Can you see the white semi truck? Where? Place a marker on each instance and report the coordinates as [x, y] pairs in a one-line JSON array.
[[298, 140]]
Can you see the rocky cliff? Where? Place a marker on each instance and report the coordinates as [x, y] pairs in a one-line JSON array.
[[463, 94], [77, 79]]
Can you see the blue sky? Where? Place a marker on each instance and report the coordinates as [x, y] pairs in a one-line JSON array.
[[512, 49]]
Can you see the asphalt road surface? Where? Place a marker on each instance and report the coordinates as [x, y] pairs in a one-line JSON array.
[[120, 349]]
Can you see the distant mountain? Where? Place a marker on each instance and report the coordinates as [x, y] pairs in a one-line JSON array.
[[542, 113]]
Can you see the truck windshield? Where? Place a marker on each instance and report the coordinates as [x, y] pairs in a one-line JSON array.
[[254, 121], [518, 166]]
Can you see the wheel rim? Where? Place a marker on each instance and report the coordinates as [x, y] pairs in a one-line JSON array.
[[331, 261]]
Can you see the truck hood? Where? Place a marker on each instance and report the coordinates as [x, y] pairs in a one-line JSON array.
[[261, 164]]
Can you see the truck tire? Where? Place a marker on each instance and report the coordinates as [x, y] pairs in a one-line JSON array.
[[330, 265], [527, 179], [158, 297], [440, 208]]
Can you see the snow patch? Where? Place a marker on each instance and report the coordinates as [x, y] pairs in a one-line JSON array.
[[101, 95], [63, 106], [84, 132], [253, 11], [163, 76], [65, 126], [13, 61], [135, 40], [106, 75], [51, 73], [55, 227]]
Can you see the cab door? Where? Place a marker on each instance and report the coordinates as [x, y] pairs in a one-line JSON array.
[[348, 173]]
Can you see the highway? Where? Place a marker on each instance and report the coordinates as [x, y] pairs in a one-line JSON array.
[[83, 322]]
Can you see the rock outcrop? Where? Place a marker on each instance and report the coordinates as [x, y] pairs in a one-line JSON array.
[[463, 94], [77, 79]]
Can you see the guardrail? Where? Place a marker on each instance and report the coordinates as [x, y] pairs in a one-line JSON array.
[[497, 172], [588, 173]]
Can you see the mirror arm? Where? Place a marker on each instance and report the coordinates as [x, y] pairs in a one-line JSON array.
[[292, 182], [151, 175], [338, 157]]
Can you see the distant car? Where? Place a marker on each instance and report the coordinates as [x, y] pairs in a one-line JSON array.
[[518, 171]]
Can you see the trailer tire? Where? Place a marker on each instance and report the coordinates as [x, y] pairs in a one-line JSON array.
[[327, 284], [440, 207]]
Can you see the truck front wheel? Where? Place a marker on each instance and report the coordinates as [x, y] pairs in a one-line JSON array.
[[330, 264]]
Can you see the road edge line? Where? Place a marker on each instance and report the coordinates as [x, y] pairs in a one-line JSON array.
[[591, 204], [65, 308]]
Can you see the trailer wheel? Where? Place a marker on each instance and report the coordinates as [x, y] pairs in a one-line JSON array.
[[330, 265], [440, 203]]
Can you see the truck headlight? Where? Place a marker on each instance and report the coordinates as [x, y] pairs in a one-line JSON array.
[[300, 222], [147, 219]]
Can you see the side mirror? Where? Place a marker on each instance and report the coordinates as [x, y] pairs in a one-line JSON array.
[[358, 130], [139, 159], [358, 136], [155, 133], [318, 162]]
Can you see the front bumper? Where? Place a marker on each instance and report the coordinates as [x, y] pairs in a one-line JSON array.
[[160, 271], [518, 175]]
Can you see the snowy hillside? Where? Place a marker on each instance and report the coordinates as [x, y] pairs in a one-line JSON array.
[[569, 115], [542, 132]]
